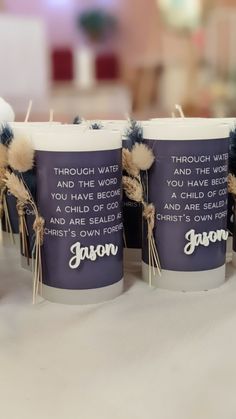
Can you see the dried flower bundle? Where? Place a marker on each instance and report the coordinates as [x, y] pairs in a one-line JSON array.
[[18, 154], [139, 159], [3, 156], [128, 164], [232, 184], [21, 154], [23, 196], [142, 156]]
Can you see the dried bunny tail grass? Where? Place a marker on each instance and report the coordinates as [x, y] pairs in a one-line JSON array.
[[128, 164], [21, 154], [142, 156], [232, 184], [2, 177], [133, 189], [17, 188], [3, 156]]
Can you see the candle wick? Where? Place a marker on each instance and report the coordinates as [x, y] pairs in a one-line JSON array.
[[180, 110], [127, 117], [51, 115], [28, 110]]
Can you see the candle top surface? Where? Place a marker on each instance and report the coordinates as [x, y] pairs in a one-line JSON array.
[[195, 131]]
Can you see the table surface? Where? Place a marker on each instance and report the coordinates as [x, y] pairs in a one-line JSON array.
[[147, 354]]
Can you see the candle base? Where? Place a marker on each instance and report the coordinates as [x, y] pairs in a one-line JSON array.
[[186, 281], [132, 259], [25, 264], [79, 297], [10, 239], [229, 249]]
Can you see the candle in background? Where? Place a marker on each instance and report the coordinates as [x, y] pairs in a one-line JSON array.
[[188, 186], [79, 196], [84, 68], [6, 112], [231, 122]]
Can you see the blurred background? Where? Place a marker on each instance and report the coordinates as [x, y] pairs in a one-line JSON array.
[[112, 58]]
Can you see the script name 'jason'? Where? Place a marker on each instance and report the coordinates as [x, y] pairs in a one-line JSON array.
[[203, 239], [90, 253]]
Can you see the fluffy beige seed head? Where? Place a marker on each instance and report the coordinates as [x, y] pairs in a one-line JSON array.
[[3, 156], [128, 164], [142, 156], [21, 154]]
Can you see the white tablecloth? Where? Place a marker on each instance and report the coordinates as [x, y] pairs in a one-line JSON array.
[[149, 354]]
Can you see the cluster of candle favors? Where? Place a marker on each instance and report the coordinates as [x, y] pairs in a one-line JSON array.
[[85, 200]]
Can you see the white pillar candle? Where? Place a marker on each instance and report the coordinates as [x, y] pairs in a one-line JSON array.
[[79, 195], [188, 186], [84, 59], [231, 122]]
